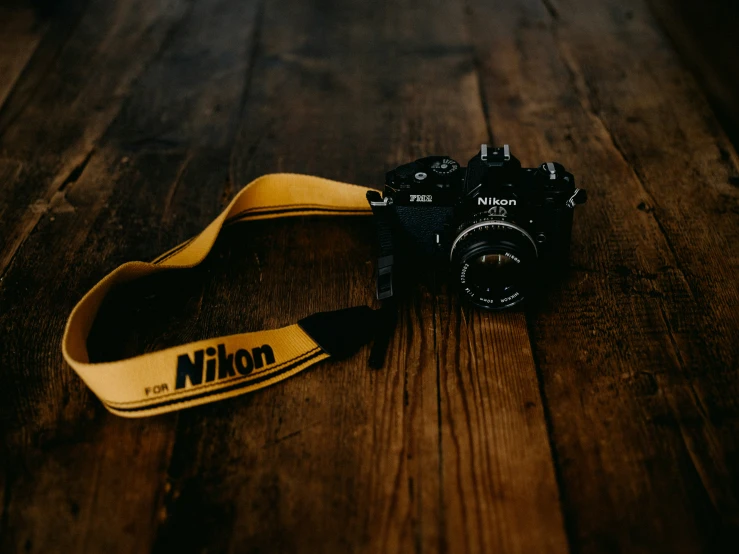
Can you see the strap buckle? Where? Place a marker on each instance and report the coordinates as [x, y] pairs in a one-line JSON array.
[[385, 259]]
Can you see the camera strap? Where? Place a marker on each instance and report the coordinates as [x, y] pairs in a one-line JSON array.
[[213, 369]]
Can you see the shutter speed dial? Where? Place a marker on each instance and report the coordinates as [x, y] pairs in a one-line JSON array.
[[444, 166]]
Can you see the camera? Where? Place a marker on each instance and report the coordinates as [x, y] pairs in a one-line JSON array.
[[501, 230]]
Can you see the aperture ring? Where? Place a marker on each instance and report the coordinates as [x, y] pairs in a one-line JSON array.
[[489, 224]]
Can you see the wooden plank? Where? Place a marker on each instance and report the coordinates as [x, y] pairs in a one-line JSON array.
[[637, 350], [343, 458], [71, 90], [689, 183], [20, 34], [77, 478], [704, 35], [497, 459]]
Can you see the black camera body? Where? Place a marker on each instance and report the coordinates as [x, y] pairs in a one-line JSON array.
[[497, 226]]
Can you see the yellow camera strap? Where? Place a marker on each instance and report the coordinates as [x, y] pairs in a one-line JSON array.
[[213, 369]]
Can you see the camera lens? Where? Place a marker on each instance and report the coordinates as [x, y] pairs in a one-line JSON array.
[[494, 261]]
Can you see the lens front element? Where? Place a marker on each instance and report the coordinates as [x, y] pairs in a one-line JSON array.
[[494, 261], [490, 270]]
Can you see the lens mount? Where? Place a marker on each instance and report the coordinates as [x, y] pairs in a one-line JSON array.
[[494, 261]]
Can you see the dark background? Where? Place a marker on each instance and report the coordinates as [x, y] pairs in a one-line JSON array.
[[603, 419], [704, 33]]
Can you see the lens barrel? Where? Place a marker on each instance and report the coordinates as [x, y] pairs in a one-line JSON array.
[[494, 261]]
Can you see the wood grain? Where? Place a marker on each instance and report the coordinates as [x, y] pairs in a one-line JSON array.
[[602, 419], [638, 374], [57, 112], [106, 478], [20, 34], [703, 34]]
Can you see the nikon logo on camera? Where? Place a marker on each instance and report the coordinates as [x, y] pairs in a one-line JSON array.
[[495, 202], [218, 364], [421, 198]]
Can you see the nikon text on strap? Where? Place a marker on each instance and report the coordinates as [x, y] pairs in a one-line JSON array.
[[213, 369]]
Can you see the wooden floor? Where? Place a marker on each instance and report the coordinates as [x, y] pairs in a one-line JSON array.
[[604, 420]]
